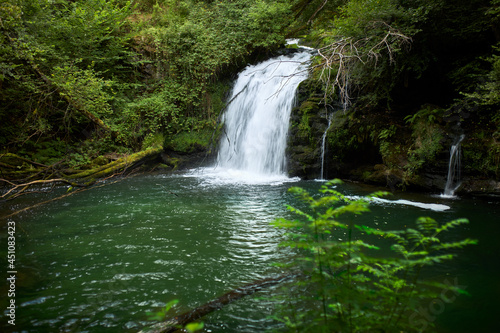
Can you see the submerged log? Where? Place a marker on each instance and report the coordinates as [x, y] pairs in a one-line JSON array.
[[175, 323]]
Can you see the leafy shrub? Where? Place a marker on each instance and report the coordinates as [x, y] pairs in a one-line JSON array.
[[347, 286]]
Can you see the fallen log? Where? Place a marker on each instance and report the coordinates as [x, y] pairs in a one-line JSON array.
[[123, 163], [175, 323]]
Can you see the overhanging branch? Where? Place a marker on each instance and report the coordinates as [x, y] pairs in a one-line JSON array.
[[342, 56]]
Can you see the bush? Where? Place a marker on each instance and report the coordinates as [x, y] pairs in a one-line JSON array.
[[347, 286]]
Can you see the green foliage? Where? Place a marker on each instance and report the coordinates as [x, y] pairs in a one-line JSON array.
[[365, 45], [146, 67], [61, 59], [340, 142], [427, 114], [77, 160], [194, 327], [190, 141], [427, 136], [153, 141], [482, 153], [85, 88], [315, 13], [304, 128], [377, 47], [160, 315], [487, 93], [387, 133], [208, 39], [347, 285], [138, 69], [46, 152]]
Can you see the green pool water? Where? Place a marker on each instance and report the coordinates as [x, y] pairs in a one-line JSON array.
[[99, 260]]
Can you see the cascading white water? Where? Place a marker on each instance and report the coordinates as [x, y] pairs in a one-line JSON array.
[[453, 178], [257, 120]]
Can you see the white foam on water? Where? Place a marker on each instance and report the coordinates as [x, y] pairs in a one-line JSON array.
[[430, 206], [229, 176]]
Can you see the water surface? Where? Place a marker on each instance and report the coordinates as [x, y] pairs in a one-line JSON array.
[[99, 260]]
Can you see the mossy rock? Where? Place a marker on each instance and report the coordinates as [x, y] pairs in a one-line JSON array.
[[171, 162], [188, 142]]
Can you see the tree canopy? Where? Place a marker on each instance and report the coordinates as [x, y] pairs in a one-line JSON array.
[[113, 73], [83, 78]]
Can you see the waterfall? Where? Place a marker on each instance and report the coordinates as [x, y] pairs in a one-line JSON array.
[[453, 178], [323, 145], [257, 119]]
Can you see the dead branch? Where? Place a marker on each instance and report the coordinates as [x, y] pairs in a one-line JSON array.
[[44, 171], [7, 166], [38, 204], [20, 189], [345, 53], [316, 12]]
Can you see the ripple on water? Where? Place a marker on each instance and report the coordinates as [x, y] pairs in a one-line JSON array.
[[135, 254]]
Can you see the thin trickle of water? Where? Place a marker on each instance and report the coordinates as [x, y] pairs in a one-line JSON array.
[[323, 146], [257, 120], [453, 178]]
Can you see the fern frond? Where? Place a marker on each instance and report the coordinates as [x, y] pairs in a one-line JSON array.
[[378, 194], [455, 245], [299, 212], [288, 224], [452, 224], [325, 201], [427, 225], [355, 207]]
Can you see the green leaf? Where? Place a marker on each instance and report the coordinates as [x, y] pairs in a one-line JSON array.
[[193, 327]]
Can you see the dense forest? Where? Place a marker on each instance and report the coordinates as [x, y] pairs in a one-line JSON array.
[[83, 84]]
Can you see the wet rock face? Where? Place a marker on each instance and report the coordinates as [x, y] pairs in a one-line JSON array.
[[304, 162], [346, 155], [381, 147], [480, 186], [307, 125]]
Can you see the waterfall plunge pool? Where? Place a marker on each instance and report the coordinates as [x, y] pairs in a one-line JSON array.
[[97, 261]]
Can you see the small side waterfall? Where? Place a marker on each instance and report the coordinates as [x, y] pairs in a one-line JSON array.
[[323, 145], [453, 178], [257, 120]]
